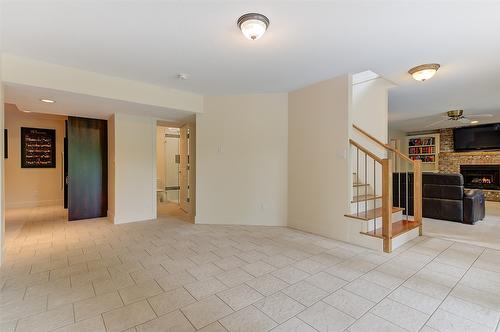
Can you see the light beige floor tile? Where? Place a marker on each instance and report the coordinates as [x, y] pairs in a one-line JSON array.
[[70, 295], [267, 284], [128, 316], [368, 290], [205, 271], [400, 314], [249, 319], [205, 288], [97, 305], [8, 326], [290, 274], [427, 287], [234, 277], [94, 324], [206, 311], [175, 280], [170, 301], [415, 300], [11, 295], [471, 311], [305, 293], [139, 292], [326, 281], [214, 327], [172, 322], [294, 325], [229, 263], [447, 322], [310, 265], [326, 318], [48, 320], [258, 269], [383, 279], [349, 303], [278, 261], [21, 309], [372, 323], [108, 285], [279, 307], [239, 297]]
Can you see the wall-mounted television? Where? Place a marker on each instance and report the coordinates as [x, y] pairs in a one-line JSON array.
[[483, 137]]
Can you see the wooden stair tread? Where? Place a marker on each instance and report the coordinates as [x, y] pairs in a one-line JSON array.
[[371, 214], [362, 198], [398, 228]]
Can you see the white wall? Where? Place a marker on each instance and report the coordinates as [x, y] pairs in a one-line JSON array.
[[318, 132], [133, 168], [241, 153], [30, 72], [32, 187]]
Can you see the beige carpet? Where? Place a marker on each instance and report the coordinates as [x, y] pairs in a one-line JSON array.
[[485, 233]]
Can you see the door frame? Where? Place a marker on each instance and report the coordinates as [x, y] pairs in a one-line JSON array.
[[191, 124]]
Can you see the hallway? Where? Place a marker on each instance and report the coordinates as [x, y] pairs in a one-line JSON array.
[[169, 275]]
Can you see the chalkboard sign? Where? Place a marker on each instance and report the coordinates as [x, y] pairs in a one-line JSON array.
[[38, 148]]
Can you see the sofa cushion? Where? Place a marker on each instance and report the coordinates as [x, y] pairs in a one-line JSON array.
[[442, 191]]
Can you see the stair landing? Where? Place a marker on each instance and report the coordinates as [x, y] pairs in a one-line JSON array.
[[398, 228], [371, 214]]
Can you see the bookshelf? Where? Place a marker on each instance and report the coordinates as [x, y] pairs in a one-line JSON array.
[[426, 149]]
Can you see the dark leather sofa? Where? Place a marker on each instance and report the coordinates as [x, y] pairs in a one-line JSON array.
[[444, 197]]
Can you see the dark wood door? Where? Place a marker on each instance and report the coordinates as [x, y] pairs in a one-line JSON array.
[[87, 168]]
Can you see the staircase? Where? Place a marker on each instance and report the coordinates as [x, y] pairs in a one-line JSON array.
[[381, 215]]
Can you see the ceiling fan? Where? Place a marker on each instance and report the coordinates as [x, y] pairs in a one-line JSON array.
[[458, 116]]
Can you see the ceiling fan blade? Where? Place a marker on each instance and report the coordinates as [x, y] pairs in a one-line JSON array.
[[480, 116], [435, 123]]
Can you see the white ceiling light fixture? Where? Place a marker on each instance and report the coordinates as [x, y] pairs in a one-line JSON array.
[[424, 72], [182, 76], [474, 122], [48, 101], [253, 25]]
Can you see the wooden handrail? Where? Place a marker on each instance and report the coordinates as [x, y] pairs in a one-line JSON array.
[[382, 144], [372, 155]]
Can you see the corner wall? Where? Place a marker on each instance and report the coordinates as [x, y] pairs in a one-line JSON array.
[[32, 187], [241, 160], [132, 168], [318, 165]]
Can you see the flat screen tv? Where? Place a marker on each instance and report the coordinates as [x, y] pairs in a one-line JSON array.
[[484, 137]]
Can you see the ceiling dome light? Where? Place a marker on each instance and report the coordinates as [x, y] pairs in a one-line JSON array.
[[253, 25], [424, 72], [48, 101]]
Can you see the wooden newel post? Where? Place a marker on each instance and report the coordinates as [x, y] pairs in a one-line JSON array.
[[387, 204], [417, 193]]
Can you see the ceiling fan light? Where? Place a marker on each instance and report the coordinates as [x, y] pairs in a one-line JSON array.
[[253, 25], [424, 72]]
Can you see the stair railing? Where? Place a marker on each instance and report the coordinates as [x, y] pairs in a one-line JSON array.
[[388, 199]]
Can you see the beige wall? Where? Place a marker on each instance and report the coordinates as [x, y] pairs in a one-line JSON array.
[[133, 168], [318, 167], [30, 187], [2, 177], [241, 168]]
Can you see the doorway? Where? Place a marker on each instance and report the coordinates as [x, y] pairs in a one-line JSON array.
[[175, 171]]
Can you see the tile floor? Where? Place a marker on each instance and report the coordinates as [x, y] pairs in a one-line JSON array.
[[169, 275]]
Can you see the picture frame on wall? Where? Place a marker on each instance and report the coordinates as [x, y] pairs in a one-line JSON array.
[[38, 148]]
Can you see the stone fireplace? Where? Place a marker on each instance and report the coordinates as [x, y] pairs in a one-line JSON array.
[[455, 162]]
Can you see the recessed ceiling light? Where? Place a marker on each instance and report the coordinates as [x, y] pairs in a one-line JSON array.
[[183, 76], [474, 121], [253, 25], [424, 72], [48, 101]]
